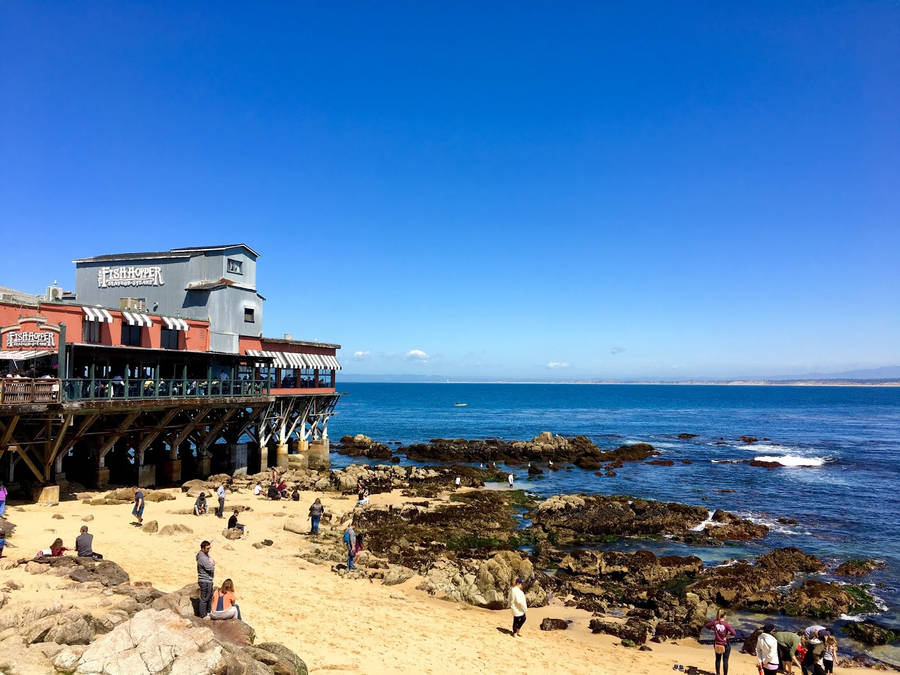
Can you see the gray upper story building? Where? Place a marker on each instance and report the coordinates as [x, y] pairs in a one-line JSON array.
[[207, 283]]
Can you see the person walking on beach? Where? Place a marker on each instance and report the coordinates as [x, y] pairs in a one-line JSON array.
[[788, 643], [2, 500], [458, 481], [315, 515], [350, 541], [510, 478], [220, 493], [206, 570], [721, 630], [138, 510], [767, 649], [518, 605]]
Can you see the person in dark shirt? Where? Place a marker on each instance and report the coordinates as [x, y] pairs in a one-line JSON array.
[[138, 510], [233, 522], [84, 545]]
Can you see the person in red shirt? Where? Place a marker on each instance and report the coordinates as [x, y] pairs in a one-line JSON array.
[[721, 630]]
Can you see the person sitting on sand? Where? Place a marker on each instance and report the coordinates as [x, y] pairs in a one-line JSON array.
[[84, 545], [518, 605], [138, 510], [272, 492], [233, 522], [282, 489], [201, 508], [363, 497], [295, 495], [721, 630], [56, 550], [224, 603], [257, 489]]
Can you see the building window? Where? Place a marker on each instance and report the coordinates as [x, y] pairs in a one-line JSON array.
[[168, 338], [131, 335], [235, 266], [248, 315], [90, 331]]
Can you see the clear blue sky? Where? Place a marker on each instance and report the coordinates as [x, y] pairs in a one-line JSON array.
[[511, 190]]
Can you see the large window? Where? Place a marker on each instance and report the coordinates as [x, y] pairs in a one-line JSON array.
[[168, 338], [90, 331], [131, 335], [235, 266]]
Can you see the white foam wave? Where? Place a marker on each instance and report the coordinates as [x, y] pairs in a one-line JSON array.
[[773, 525], [708, 521], [792, 460]]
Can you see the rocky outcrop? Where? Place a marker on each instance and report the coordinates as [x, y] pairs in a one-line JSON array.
[[136, 630], [82, 570], [730, 527], [634, 629], [554, 624], [638, 568], [859, 568], [871, 633], [361, 445], [819, 599]]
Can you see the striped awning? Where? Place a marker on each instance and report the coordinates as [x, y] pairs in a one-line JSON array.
[[137, 319], [298, 360], [175, 324], [23, 354], [97, 314]]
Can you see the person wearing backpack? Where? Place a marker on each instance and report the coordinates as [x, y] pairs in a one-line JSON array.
[[721, 630]]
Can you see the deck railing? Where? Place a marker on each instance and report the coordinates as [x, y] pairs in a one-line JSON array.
[[19, 390], [97, 389]]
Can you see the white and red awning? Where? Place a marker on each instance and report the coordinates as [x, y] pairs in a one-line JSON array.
[[174, 324], [137, 319], [97, 314], [298, 360]]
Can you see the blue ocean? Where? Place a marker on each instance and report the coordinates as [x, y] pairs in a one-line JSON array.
[[839, 447]]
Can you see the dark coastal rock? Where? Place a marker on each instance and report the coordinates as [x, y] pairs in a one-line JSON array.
[[764, 464], [792, 559], [787, 521], [638, 568], [571, 516], [83, 570], [871, 633], [734, 528], [742, 586], [633, 629], [661, 462], [859, 568], [687, 436], [554, 624], [819, 599], [749, 440], [361, 445]]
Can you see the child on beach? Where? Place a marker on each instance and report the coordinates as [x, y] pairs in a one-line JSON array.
[[721, 630], [138, 510], [830, 654], [518, 605]]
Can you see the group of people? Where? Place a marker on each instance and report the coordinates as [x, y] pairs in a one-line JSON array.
[[814, 651], [219, 603], [84, 547]]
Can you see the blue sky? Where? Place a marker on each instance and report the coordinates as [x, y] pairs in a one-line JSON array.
[[515, 190]]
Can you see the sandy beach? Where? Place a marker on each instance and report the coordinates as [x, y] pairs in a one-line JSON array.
[[336, 624]]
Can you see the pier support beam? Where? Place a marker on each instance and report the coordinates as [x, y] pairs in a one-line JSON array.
[[204, 466], [319, 459], [281, 455], [146, 475], [171, 471], [101, 477]]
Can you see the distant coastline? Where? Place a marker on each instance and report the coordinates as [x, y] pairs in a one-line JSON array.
[[680, 383]]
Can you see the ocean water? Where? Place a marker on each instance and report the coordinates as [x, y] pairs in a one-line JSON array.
[[839, 447]]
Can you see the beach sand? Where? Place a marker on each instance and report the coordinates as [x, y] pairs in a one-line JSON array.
[[337, 625]]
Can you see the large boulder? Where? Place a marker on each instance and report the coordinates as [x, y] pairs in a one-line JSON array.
[[859, 568], [640, 567], [634, 629], [871, 633]]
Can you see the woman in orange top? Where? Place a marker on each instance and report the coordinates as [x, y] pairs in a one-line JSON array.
[[224, 603]]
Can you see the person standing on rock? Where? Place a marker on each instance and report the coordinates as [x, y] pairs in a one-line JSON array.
[[518, 605], [315, 515], [458, 481], [350, 541], [206, 570], [220, 493], [138, 510], [510, 479], [721, 630], [767, 649]]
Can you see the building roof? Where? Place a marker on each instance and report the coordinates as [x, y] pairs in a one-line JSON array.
[[13, 296], [172, 253], [302, 343]]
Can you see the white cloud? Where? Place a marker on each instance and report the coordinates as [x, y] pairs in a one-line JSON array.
[[558, 364], [616, 350], [416, 355], [359, 356]]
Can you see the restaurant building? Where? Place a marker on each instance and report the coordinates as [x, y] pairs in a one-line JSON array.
[[158, 369]]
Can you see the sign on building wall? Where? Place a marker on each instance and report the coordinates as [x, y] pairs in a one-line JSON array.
[[129, 275], [30, 338]]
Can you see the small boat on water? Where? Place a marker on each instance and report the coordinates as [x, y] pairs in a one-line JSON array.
[[460, 405]]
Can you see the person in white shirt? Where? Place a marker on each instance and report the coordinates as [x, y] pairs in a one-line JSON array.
[[257, 489], [220, 493], [510, 478], [458, 481], [518, 605], [767, 649]]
